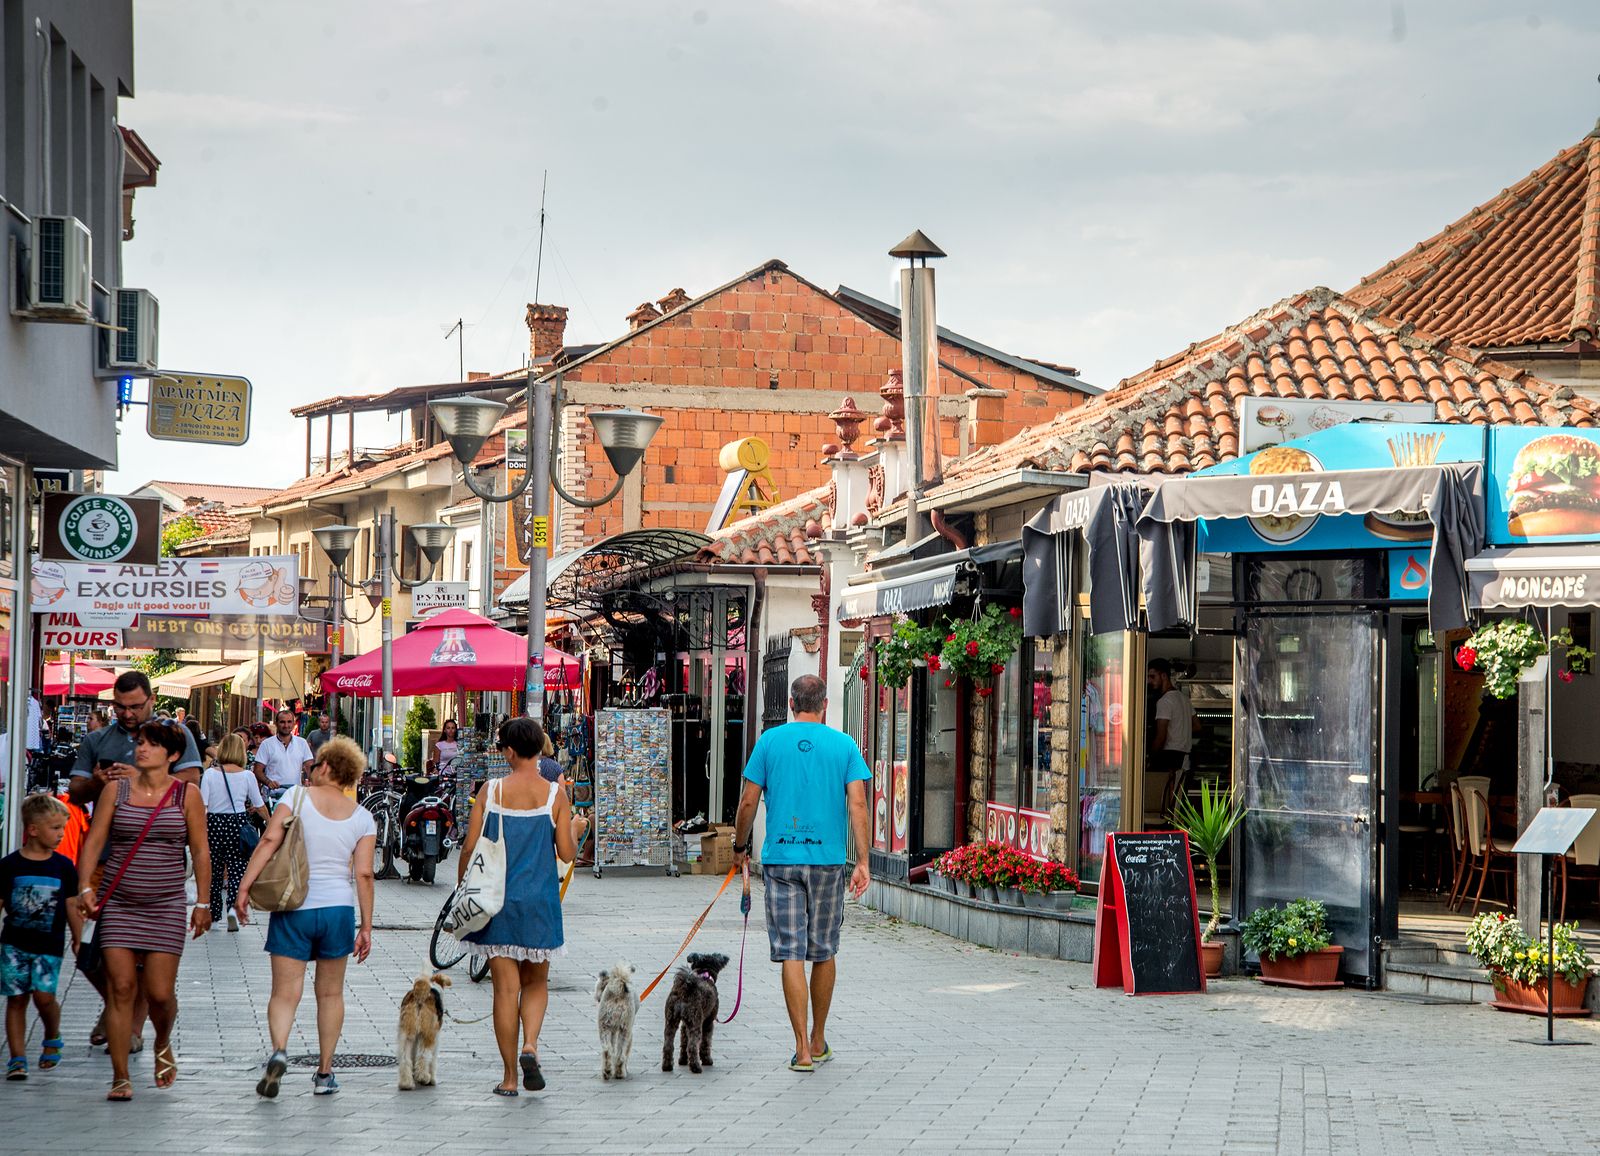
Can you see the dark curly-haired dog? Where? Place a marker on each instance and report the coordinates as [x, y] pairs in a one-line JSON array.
[[693, 1004]]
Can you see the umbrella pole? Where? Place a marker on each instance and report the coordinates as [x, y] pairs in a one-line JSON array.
[[72, 673]]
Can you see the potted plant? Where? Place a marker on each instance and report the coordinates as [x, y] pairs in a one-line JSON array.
[[1519, 965], [977, 648], [1009, 868], [1293, 944], [957, 867], [906, 648], [1048, 886], [1503, 652], [1209, 827]]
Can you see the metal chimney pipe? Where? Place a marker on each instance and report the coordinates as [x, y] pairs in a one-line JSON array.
[[919, 359]]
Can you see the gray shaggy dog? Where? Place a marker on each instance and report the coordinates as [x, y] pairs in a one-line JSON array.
[[692, 1005], [619, 1003]]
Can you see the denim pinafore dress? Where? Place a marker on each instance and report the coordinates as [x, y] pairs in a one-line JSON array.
[[528, 926]]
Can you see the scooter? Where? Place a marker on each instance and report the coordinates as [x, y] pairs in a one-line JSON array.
[[426, 831]]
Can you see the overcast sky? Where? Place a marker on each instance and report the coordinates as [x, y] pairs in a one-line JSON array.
[[342, 179]]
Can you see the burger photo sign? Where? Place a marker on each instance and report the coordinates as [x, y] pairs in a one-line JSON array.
[[1546, 485]]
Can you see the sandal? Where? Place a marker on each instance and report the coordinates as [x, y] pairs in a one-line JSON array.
[[17, 1069], [506, 1092], [166, 1066], [135, 1045], [50, 1053], [823, 1056], [97, 1034], [796, 1066], [532, 1077], [121, 1091]]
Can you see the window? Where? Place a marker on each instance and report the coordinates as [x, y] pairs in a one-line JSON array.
[[1102, 725], [939, 778]]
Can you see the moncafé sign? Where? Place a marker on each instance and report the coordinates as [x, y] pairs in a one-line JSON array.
[[1557, 589]]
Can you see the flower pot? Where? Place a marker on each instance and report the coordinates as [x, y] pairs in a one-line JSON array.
[[1010, 896], [1529, 998], [1313, 969], [1535, 672], [935, 881], [1038, 901], [1211, 953], [962, 888], [1063, 899], [988, 894]]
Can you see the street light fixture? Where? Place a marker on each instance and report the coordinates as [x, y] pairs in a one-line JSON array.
[[624, 435]]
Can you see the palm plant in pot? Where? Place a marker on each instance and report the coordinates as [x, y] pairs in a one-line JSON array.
[[1209, 827]]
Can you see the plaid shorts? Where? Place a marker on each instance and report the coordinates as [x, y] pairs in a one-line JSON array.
[[805, 909]]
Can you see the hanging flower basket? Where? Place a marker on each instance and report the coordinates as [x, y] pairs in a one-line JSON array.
[[908, 647], [1504, 651], [978, 648]]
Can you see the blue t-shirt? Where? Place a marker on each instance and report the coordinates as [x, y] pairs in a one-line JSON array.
[[803, 767]]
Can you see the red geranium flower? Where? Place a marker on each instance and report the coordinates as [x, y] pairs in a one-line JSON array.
[[1015, 612], [1466, 657], [934, 663], [996, 667], [1565, 676], [949, 637], [948, 684], [985, 691], [972, 648], [863, 674]]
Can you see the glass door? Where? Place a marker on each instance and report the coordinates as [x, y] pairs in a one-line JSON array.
[[1309, 695]]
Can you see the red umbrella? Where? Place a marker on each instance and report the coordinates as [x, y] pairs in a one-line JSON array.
[[453, 650], [84, 678]]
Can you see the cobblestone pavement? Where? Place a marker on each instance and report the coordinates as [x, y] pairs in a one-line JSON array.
[[941, 1047]]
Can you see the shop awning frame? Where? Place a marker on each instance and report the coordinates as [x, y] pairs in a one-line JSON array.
[[1515, 577], [917, 585], [580, 577], [1107, 515], [184, 681]]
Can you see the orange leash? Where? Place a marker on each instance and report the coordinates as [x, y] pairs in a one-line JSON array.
[[693, 931]]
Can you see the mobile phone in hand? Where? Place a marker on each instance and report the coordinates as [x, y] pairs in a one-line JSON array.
[[105, 764]]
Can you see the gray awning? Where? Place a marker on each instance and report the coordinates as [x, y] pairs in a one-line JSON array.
[[919, 584], [1107, 516], [1544, 576], [1451, 496]]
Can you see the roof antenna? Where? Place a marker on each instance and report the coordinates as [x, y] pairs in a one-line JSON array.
[[461, 351], [538, 265]]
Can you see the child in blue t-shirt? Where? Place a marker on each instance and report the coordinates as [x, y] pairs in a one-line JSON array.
[[39, 894]]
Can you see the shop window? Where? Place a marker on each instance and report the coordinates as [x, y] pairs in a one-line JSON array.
[[939, 777], [1102, 726], [1007, 721], [1019, 793], [1039, 733]]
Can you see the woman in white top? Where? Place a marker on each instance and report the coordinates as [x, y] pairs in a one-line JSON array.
[[339, 837], [228, 790]]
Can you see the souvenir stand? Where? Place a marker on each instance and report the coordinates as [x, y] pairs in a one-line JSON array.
[[632, 789]]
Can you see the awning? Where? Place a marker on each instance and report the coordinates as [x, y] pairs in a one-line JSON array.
[[1544, 576], [1107, 515], [1451, 496], [284, 677], [918, 585], [580, 576], [184, 681]]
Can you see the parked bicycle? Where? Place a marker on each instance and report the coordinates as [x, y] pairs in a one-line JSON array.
[[445, 950], [378, 794]]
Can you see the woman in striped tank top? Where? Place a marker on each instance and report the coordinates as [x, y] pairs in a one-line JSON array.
[[144, 920]]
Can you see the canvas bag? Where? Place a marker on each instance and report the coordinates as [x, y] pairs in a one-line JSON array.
[[286, 877], [482, 892]]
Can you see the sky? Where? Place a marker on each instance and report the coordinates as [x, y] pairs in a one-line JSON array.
[[342, 179]]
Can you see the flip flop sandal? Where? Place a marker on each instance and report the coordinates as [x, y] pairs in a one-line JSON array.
[[136, 1045], [166, 1067], [121, 1091], [827, 1054], [17, 1069], [50, 1053], [532, 1077], [97, 1034], [508, 1093], [796, 1066]]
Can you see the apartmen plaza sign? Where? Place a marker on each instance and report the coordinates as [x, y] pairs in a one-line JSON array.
[[199, 407]]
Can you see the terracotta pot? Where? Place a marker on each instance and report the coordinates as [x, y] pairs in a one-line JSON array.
[[1314, 969], [1529, 998], [1211, 952]]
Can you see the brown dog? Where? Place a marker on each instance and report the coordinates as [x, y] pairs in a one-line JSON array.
[[421, 1016]]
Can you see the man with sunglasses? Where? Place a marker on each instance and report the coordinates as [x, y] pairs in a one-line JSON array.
[[106, 755]]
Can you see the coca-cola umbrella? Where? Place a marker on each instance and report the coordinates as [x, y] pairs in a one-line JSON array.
[[82, 677], [453, 650]]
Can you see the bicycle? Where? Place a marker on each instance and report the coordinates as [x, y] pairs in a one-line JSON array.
[[445, 950], [384, 802]]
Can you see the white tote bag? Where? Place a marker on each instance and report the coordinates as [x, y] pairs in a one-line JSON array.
[[482, 892]]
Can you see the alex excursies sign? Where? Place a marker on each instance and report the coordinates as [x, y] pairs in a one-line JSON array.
[[262, 585]]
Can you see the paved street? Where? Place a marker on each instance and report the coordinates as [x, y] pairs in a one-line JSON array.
[[941, 1048]]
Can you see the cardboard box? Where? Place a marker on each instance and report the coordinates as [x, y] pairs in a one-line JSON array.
[[716, 851]]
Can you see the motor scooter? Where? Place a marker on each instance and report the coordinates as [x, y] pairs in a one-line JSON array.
[[427, 829]]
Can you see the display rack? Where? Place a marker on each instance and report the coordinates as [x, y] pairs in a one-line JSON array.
[[632, 790]]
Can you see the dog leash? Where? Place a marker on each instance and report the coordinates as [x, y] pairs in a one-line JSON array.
[[573, 866], [744, 906], [693, 931]]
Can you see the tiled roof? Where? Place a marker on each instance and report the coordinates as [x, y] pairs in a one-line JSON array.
[[1182, 414], [1518, 270], [214, 520], [201, 492], [776, 536]]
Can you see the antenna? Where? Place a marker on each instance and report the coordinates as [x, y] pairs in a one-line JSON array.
[[538, 266], [461, 351]]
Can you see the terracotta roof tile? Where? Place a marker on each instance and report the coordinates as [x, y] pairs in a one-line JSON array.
[[775, 536], [1183, 413]]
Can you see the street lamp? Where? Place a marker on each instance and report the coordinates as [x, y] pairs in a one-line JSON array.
[[624, 435], [337, 542]]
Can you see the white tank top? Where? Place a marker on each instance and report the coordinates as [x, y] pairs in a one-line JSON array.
[[330, 845]]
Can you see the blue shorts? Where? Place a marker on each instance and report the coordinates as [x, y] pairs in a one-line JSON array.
[[22, 971], [312, 933]]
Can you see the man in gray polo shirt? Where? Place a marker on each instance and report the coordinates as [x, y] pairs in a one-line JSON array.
[[106, 755]]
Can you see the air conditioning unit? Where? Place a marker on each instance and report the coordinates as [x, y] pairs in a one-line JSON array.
[[137, 316], [60, 272]]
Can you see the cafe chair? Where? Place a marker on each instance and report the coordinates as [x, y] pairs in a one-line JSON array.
[[1458, 820], [1583, 860], [1157, 786], [1428, 834], [1489, 852]]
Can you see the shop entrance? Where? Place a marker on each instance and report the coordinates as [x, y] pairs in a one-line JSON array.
[[1309, 733]]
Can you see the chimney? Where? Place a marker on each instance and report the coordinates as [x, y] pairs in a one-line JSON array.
[[673, 300], [547, 331], [985, 425], [643, 315]]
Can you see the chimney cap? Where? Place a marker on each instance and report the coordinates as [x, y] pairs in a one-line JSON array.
[[917, 245]]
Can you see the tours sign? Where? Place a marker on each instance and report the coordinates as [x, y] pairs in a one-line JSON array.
[[209, 408], [100, 528]]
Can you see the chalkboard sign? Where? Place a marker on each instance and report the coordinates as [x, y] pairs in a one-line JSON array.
[[1147, 925]]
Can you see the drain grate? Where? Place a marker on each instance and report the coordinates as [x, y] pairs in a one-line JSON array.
[[345, 1060]]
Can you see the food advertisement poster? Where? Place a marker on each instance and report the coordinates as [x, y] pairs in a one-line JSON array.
[[1358, 446], [1269, 421], [1544, 485]]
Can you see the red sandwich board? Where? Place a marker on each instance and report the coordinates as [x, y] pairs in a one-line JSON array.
[[1147, 924]]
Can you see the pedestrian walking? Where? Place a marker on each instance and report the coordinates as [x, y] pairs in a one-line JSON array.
[[148, 821], [447, 747], [230, 793], [339, 837], [39, 893], [322, 734], [530, 817], [283, 760], [814, 780]]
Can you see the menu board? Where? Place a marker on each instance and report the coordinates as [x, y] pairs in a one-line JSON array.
[[632, 787], [1147, 925]]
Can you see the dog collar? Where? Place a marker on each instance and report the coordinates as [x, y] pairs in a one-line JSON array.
[[707, 976]]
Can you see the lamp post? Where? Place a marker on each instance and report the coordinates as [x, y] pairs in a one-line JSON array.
[[336, 542], [624, 435], [431, 539]]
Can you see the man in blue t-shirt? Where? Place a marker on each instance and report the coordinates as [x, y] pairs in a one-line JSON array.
[[814, 779]]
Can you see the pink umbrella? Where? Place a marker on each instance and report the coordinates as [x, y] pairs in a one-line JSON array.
[[83, 678], [453, 650]]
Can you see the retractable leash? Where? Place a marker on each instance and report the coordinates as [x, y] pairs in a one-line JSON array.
[[573, 866], [693, 931], [744, 906]]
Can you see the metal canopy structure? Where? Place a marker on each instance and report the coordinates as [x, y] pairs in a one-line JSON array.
[[584, 577]]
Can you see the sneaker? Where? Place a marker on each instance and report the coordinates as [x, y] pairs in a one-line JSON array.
[[277, 1064], [233, 920], [323, 1085]]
